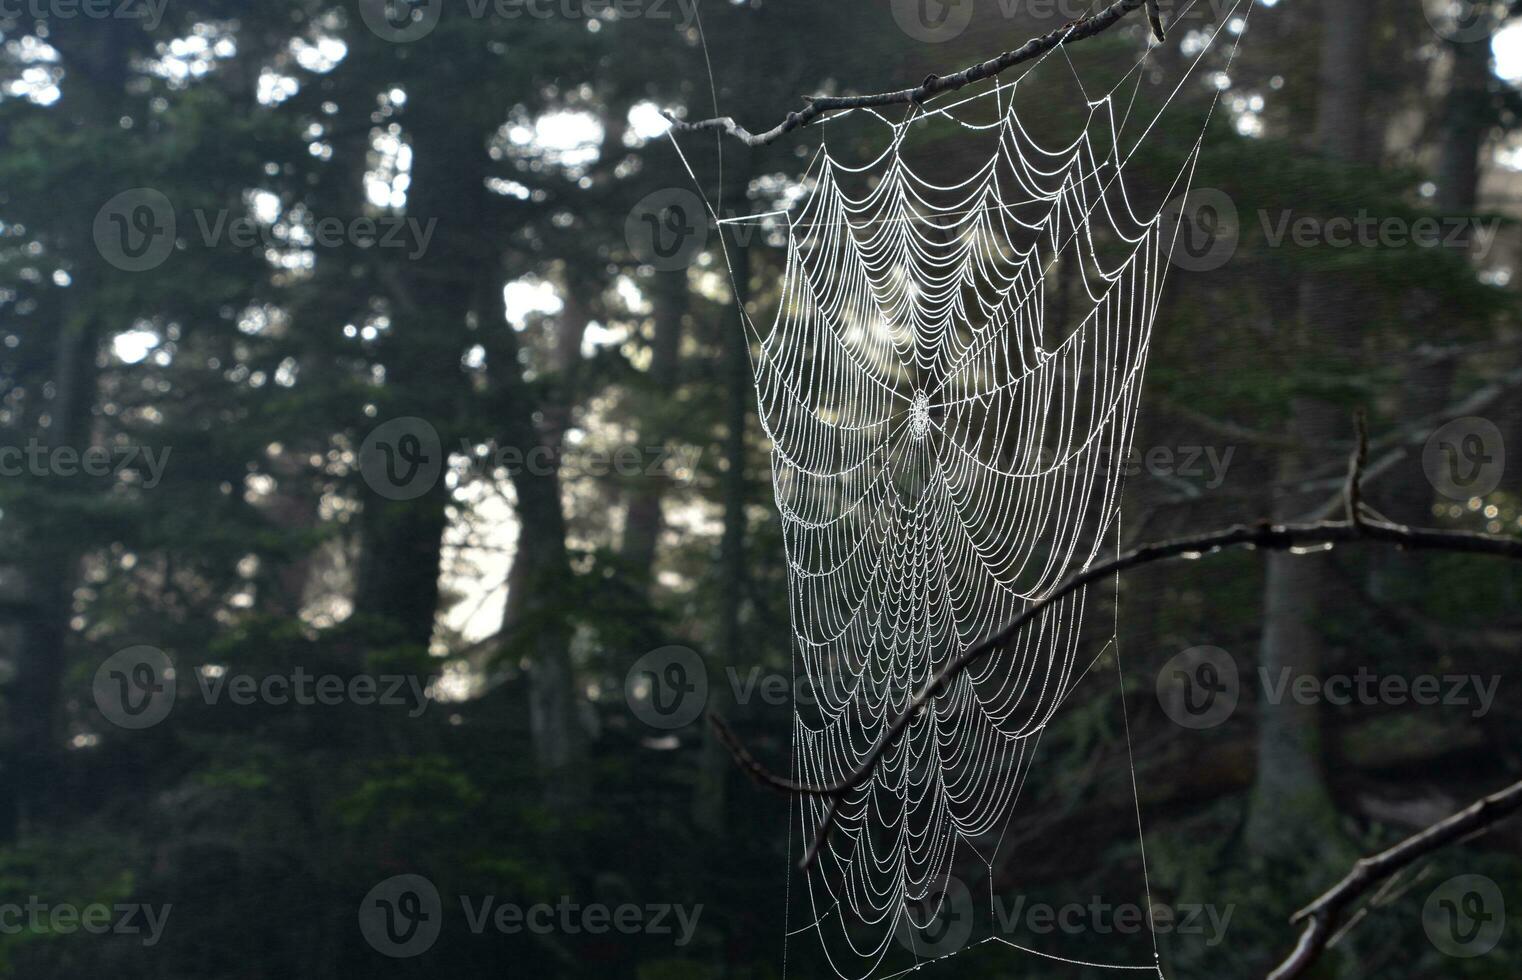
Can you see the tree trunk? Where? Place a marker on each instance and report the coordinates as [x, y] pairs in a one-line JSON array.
[[398, 575], [1465, 119], [642, 520], [101, 55], [738, 402], [398, 569], [536, 623], [1291, 802], [34, 692]]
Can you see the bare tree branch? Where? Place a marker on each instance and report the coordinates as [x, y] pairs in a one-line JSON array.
[[1358, 527], [817, 107], [1352, 492], [1322, 915], [1155, 18]]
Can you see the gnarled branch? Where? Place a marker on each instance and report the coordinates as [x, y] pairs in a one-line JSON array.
[[1322, 915], [1358, 527], [818, 106]]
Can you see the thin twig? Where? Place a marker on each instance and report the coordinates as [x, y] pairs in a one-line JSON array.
[[751, 765], [1263, 535], [818, 106], [1321, 916], [1352, 492], [1155, 18]]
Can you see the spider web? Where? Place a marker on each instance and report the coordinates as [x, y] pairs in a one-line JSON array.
[[953, 374], [942, 455]]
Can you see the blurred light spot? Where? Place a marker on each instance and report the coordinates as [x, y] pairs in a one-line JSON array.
[[134, 345], [522, 298], [646, 121]]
